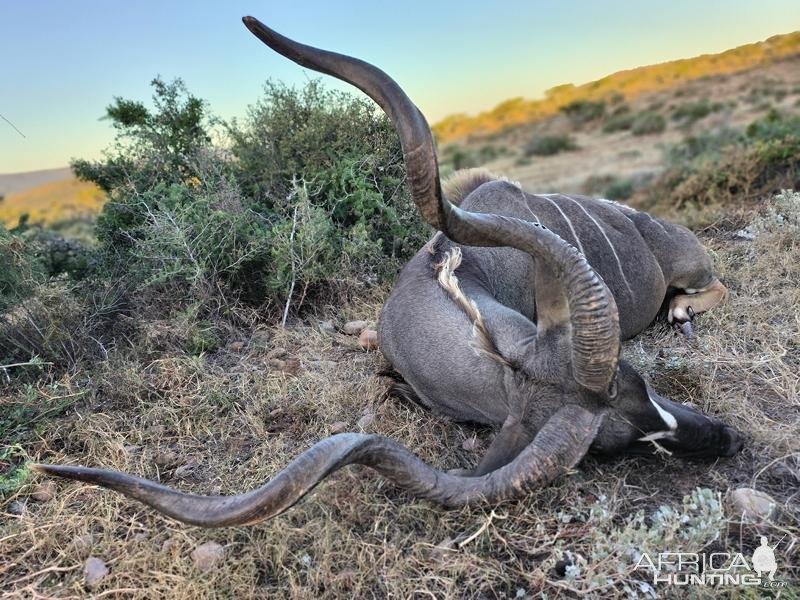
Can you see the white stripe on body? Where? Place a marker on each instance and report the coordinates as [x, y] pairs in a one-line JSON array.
[[608, 241], [567, 219]]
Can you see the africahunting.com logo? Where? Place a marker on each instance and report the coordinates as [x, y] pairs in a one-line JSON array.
[[714, 568]]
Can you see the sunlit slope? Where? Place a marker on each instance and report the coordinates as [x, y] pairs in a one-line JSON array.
[[53, 202], [630, 84]]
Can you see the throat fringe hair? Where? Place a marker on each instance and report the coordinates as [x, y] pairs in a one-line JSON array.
[[481, 341]]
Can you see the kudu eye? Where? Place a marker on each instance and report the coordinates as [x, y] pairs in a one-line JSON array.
[[613, 388]]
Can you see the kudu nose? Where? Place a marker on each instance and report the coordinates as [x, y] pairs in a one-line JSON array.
[[734, 440]]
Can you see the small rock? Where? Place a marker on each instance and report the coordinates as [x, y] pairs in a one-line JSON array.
[[131, 449], [205, 556], [261, 338], [15, 508], [354, 327], [470, 444], [44, 492], [751, 505], [365, 421], [236, 346], [169, 544], [322, 365], [368, 339], [745, 234], [338, 427], [185, 471], [94, 570], [166, 458], [140, 537], [327, 327]]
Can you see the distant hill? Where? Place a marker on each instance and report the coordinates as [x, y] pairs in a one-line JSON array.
[[11, 183], [51, 202], [629, 84]]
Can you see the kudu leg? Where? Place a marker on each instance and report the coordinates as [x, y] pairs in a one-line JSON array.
[[512, 439]]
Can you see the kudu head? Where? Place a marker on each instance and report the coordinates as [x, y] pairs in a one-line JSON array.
[[604, 404]]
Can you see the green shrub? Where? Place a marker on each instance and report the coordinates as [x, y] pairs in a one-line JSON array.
[[690, 112], [20, 271], [619, 121], [547, 145], [647, 122], [702, 147], [309, 190], [152, 146], [609, 186], [457, 157], [584, 111]]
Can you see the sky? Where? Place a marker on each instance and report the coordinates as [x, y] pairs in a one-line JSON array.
[[63, 61]]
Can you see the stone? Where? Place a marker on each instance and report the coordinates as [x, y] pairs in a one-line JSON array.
[[354, 327], [236, 346], [338, 427], [44, 492], [16, 508], [322, 365], [365, 421], [94, 570], [470, 444], [327, 327], [261, 338], [368, 339], [752, 506], [207, 555], [166, 458], [745, 234]]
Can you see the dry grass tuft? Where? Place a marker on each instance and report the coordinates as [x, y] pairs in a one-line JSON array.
[[225, 421]]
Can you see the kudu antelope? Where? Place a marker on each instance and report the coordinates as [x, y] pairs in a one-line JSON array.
[[511, 316]]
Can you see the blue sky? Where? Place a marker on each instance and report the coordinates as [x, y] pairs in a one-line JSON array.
[[63, 61]]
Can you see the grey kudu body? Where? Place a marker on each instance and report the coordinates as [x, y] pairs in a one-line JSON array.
[[511, 316]]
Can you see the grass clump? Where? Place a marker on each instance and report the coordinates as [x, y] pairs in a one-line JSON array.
[[610, 187], [620, 120], [548, 145], [648, 122], [581, 112], [690, 112]]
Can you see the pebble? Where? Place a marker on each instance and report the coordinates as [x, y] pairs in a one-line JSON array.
[[327, 327], [207, 555], [751, 505], [94, 570], [338, 427], [354, 327], [365, 421], [261, 338], [368, 339], [44, 492]]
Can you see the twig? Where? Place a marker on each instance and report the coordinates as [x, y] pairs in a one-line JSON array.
[[14, 126], [294, 274]]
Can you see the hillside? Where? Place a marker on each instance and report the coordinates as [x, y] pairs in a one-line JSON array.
[[52, 202], [11, 183], [628, 84]]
